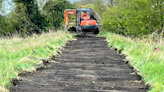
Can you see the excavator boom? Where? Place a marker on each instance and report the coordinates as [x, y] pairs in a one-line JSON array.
[[66, 13]]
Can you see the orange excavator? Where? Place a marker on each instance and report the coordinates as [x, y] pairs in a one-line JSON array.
[[86, 20]]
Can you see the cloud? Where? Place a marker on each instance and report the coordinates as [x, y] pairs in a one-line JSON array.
[[72, 1]]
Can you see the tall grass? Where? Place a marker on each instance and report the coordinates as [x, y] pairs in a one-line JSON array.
[[19, 55], [140, 54]]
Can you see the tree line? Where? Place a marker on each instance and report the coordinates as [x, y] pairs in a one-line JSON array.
[[32, 16], [129, 17]]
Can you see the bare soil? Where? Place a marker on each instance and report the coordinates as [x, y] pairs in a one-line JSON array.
[[85, 65]]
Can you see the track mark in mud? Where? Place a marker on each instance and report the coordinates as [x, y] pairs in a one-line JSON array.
[[85, 65]]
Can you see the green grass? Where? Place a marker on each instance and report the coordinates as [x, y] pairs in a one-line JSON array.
[[19, 55], [140, 54]]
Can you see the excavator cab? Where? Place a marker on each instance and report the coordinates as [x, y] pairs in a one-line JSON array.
[[84, 22], [84, 15], [79, 17]]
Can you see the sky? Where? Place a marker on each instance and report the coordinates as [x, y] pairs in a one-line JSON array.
[[72, 1], [8, 7]]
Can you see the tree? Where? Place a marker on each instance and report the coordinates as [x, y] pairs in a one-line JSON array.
[[78, 4], [36, 21], [54, 10], [32, 16], [85, 2], [5, 27], [135, 17]]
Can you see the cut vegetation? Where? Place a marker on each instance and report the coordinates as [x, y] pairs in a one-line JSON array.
[[85, 65], [19, 55], [141, 55]]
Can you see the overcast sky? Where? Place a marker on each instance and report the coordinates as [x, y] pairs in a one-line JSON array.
[[72, 1], [8, 6]]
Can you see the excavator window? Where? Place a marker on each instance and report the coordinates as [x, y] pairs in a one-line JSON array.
[[84, 15]]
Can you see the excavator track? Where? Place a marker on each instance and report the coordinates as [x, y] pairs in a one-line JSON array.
[[85, 65]]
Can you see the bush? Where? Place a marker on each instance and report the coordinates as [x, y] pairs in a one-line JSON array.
[[134, 17]]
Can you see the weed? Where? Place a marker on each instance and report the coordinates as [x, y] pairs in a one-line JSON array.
[[19, 55], [140, 54]]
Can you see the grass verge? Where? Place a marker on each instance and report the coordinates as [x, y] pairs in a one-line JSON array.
[[148, 63], [19, 55]]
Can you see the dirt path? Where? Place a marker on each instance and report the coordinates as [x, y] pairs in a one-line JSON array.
[[86, 65]]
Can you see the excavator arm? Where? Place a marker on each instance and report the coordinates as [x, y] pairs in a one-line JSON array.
[[66, 17]]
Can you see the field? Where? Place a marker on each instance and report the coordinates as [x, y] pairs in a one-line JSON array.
[[85, 65], [20, 55], [141, 55]]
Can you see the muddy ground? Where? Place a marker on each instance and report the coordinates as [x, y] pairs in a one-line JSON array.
[[85, 65]]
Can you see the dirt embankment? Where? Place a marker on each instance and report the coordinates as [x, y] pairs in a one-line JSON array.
[[85, 65]]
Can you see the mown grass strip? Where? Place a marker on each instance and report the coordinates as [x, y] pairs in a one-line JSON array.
[[140, 54], [19, 55]]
